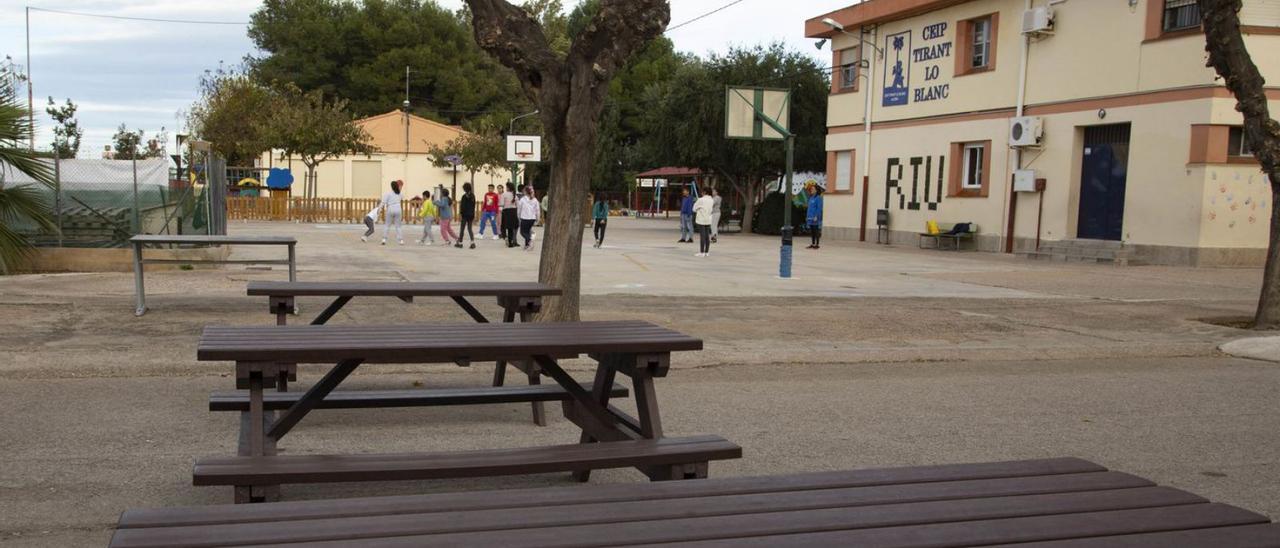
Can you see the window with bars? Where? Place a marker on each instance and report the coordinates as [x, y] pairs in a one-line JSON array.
[[1181, 14], [980, 43], [971, 170], [849, 60], [1238, 143]]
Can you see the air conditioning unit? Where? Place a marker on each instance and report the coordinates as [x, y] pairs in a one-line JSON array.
[[1026, 131], [1038, 20]]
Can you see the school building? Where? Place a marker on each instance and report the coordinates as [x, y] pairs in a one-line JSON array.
[[401, 142], [1063, 127]]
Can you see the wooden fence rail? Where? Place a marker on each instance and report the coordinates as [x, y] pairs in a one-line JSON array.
[[316, 210]]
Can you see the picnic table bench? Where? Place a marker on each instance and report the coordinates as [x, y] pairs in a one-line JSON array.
[[517, 299], [610, 437], [140, 241], [1046, 503]]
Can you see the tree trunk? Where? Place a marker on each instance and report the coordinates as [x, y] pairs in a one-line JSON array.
[[1230, 58], [569, 92]]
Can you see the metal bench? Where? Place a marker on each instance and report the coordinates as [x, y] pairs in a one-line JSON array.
[[140, 241], [946, 232], [1048, 503], [640, 350]]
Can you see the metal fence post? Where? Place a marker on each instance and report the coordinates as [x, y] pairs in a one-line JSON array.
[[137, 218], [57, 195]]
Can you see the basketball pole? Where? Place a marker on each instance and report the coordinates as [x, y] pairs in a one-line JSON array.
[[784, 261]]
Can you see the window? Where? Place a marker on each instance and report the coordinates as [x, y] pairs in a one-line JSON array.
[[1180, 15], [1238, 143], [980, 43], [975, 49], [849, 61], [969, 169], [971, 175], [844, 168]]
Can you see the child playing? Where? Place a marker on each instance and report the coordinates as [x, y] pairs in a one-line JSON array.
[[429, 212]]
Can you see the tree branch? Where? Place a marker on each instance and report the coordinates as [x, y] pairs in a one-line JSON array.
[[1229, 57], [619, 29], [513, 36]]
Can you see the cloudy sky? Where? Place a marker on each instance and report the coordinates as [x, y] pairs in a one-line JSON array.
[[143, 73]]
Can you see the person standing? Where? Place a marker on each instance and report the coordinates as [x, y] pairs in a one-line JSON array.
[[467, 213], [686, 216], [715, 215], [510, 221], [370, 220], [444, 212], [391, 208], [489, 212], [813, 215], [702, 221], [529, 210], [600, 214], [429, 212]]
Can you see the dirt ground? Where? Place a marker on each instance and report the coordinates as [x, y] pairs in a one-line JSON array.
[[872, 356]]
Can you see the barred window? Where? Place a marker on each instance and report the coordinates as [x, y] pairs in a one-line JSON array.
[[1181, 14]]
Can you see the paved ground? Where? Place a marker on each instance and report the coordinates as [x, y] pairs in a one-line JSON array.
[[871, 356]]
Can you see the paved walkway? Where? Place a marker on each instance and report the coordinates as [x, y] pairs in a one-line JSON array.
[[872, 356]]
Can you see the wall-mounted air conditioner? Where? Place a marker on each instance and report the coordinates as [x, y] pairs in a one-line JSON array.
[[1026, 131], [1038, 20]]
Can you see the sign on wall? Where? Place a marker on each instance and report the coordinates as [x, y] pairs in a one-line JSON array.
[[926, 178], [927, 60], [897, 69]]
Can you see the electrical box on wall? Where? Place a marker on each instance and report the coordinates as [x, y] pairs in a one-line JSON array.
[[1024, 180], [1038, 20]]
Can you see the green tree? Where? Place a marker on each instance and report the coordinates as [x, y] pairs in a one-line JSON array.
[[359, 51], [1230, 58], [685, 120], [481, 151], [306, 126], [25, 204], [230, 113], [125, 144], [569, 91], [67, 134]]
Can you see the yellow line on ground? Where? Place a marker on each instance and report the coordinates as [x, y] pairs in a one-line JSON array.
[[637, 263]]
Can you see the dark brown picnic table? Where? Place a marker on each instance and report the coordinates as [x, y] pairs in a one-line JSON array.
[[610, 437], [517, 299], [1046, 503]]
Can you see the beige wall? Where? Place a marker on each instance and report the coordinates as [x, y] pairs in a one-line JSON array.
[[370, 177]]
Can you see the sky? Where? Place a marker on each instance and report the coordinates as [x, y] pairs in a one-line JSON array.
[[144, 74]]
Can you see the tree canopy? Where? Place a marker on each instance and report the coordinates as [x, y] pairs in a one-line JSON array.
[[67, 134], [359, 51], [229, 114]]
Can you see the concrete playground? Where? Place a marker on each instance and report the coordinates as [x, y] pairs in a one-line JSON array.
[[870, 356]]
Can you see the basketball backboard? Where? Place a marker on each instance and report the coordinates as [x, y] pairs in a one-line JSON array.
[[741, 104], [524, 148]]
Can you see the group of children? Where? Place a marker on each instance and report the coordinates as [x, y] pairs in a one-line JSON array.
[[522, 213]]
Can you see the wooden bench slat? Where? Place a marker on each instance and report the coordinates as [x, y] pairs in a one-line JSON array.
[[941, 474], [396, 289], [443, 520], [349, 399], [422, 343], [223, 240], [615, 524], [931, 535], [1246, 536], [282, 469]]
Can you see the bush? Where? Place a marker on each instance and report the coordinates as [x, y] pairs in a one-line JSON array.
[[768, 216]]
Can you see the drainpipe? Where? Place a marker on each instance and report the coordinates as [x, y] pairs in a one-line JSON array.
[[1017, 153], [866, 131]]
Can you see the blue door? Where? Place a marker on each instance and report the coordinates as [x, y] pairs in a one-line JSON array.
[[1103, 172]]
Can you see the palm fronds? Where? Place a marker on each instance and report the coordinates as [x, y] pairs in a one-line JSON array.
[[24, 203]]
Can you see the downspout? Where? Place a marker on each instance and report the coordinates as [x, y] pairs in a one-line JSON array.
[[1017, 152], [866, 130]]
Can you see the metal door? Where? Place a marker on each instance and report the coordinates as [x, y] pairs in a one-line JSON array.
[[1103, 172]]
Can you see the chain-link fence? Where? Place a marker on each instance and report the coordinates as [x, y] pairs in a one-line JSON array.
[[102, 203]]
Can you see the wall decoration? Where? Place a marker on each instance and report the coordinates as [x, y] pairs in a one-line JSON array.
[[932, 189]]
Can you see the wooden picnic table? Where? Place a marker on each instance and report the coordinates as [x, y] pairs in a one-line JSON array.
[[142, 240], [639, 350], [517, 299], [1046, 503]]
